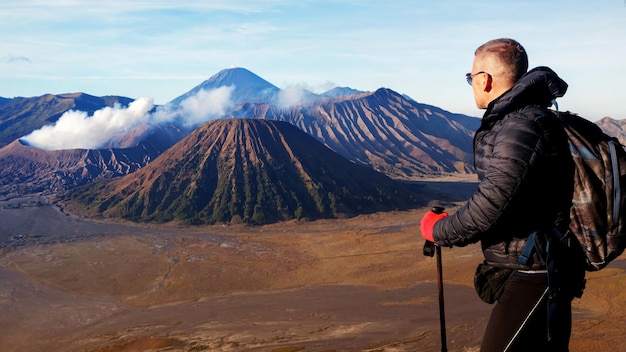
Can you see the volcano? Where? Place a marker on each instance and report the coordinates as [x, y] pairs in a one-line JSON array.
[[246, 170], [247, 87]]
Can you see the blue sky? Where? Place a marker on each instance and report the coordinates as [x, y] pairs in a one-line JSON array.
[[162, 49]]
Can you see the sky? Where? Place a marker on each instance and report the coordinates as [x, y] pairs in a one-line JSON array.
[[160, 49]]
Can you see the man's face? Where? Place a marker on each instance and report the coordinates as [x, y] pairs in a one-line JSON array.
[[479, 84]]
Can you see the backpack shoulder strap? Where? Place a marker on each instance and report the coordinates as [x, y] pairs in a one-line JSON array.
[[531, 246]]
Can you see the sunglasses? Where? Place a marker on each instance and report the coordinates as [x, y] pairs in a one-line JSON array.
[[470, 76]]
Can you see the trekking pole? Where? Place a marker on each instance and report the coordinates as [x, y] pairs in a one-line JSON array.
[[430, 249]]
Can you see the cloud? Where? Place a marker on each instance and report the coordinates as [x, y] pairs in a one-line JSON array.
[[201, 107], [292, 95], [12, 59], [75, 129], [206, 105], [78, 130], [298, 93]]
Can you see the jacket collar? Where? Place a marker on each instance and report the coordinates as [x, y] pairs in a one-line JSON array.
[[538, 87]]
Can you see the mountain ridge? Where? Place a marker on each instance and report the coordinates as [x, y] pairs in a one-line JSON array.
[[246, 170], [308, 116], [383, 130], [27, 170], [20, 116]]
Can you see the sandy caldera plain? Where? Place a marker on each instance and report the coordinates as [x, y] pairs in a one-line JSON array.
[[358, 284]]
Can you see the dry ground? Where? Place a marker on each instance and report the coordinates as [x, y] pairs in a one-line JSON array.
[[361, 284]]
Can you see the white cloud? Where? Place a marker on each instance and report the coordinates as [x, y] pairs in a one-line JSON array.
[[206, 105], [75, 129], [203, 106], [291, 95], [78, 130]]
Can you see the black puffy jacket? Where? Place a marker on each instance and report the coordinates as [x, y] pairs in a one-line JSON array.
[[525, 171]]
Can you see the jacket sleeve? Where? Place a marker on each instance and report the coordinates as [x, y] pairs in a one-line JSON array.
[[515, 146]]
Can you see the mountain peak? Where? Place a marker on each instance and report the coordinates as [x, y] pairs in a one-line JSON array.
[[238, 76], [341, 92], [247, 87]]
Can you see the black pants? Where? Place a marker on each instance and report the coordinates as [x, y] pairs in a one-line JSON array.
[[519, 297]]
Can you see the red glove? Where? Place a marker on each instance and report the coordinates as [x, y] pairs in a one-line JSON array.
[[428, 222]]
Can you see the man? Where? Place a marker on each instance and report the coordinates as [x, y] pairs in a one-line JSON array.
[[525, 174]]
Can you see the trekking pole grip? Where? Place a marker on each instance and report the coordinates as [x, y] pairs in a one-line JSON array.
[[429, 247]]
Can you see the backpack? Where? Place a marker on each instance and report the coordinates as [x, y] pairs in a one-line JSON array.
[[597, 215]]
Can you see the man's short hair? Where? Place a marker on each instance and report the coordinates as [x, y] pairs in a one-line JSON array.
[[511, 55]]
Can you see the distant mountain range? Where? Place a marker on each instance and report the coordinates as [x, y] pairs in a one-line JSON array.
[[383, 131], [20, 116], [615, 128], [246, 170], [250, 88], [4, 100]]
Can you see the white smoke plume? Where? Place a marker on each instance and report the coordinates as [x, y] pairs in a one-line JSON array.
[[205, 105], [77, 130], [292, 95], [295, 94]]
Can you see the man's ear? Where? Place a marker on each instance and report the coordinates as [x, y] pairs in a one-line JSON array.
[[487, 83]]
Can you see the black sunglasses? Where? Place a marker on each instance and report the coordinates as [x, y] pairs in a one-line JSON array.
[[470, 76]]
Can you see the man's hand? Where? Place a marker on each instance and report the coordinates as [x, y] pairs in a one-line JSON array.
[[428, 222]]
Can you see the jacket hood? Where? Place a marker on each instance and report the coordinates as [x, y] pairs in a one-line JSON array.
[[539, 86]]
